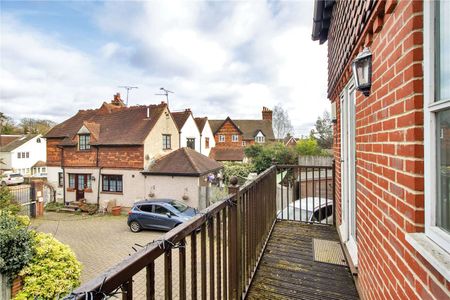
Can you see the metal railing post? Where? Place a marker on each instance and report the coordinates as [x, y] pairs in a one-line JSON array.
[[233, 240]]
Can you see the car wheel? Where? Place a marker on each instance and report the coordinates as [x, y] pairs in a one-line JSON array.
[[135, 227]]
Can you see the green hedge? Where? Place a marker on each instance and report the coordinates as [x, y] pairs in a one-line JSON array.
[[53, 272], [16, 243]]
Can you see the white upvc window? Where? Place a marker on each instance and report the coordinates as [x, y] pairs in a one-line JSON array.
[[221, 138], [260, 139], [437, 122], [235, 138]]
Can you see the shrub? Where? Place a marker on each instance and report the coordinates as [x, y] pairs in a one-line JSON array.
[[7, 202], [240, 170], [15, 244], [263, 156], [53, 271], [54, 206], [308, 147]]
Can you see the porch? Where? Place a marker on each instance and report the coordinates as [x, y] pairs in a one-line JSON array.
[[256, 243]]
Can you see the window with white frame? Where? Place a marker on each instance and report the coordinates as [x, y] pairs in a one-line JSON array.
[[437, 122], [235, 138], [260, 139], [221, 138]]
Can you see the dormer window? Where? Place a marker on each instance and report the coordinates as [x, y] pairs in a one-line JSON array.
[[84, 142], [260, 139]]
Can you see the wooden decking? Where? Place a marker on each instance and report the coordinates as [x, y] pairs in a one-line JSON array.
[[288, 271]]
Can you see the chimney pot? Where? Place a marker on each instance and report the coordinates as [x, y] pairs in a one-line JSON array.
[[266, 114], [148, 112]]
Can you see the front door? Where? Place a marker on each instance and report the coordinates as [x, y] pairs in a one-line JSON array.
[[80, 183], [348, 170]]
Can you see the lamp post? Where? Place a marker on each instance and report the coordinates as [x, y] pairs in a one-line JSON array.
[[362, 71]]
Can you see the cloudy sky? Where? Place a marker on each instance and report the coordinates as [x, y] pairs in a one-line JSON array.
[[220, 58]]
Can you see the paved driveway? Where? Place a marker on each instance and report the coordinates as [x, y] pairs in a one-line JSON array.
[[99, 242]]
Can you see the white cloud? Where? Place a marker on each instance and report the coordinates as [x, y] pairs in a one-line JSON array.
[[220, 58]]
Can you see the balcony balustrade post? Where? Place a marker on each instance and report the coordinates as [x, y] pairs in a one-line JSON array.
[[233, 241]]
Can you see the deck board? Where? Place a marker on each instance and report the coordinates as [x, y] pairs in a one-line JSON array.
[[287, 269]]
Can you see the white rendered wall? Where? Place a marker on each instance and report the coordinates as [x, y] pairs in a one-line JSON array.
[[173, 187], [190, 130], [38, 151], [207, 133]]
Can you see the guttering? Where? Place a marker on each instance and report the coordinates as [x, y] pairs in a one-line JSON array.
[[321, 19], [98, 180], [193, 174]]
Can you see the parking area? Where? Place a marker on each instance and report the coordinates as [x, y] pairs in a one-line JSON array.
[[98, 241]]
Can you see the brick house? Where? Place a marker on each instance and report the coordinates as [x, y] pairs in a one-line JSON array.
[[232, 136], [99, 154], [392, 202]]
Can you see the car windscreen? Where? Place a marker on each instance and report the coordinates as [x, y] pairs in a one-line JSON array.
[[179, 206]]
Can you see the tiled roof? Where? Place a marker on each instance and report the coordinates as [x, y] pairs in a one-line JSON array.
[[227, 154], [184, 162], [250, 128], [5, 139], [17, 142], [201, 122], [110, 125], [39, 163], [181, 117]]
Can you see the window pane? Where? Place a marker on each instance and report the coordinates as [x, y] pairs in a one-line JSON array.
[[442, 39], [443, 170], [160, 210], [105, 183], [119, 184]]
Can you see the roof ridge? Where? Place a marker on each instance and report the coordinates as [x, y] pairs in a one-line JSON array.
[[188, 155]]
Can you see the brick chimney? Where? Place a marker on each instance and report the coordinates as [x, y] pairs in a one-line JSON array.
[[117, 100], [266, 114]]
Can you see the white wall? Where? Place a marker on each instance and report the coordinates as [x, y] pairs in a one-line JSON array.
[[38, 151], [174, 187], [153, 146], [133, 186], [52, 179], [207, 133], [190, 130]]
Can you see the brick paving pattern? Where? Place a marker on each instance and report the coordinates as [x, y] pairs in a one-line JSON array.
[[100, 242]]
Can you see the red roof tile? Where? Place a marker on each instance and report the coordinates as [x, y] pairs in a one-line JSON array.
[[227, 154], [111, 125], [184, 162]]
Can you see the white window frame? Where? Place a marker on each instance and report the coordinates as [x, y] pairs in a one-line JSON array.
[[221, 138], [437, 235]]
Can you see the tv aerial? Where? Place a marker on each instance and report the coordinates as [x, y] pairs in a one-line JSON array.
[[128, 88], [165, 93]]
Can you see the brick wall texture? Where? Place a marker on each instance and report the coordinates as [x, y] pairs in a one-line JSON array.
[[389, 145], [228, 129], [128, 157]]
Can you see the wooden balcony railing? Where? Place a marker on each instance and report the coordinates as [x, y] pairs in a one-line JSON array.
[[230, 237]]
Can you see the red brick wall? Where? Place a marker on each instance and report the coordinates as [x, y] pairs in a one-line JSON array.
[[129, 157], [228, 129], [53, 152], [389, 151], [122, 157]]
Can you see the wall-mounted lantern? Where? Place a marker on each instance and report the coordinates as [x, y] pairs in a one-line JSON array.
[[362, 71]]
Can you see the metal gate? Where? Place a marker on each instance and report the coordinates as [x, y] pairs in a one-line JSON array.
[[25, 196]]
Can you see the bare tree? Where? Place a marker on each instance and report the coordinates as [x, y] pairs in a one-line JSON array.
[[281, 123], [30, 125], [323, 131]]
